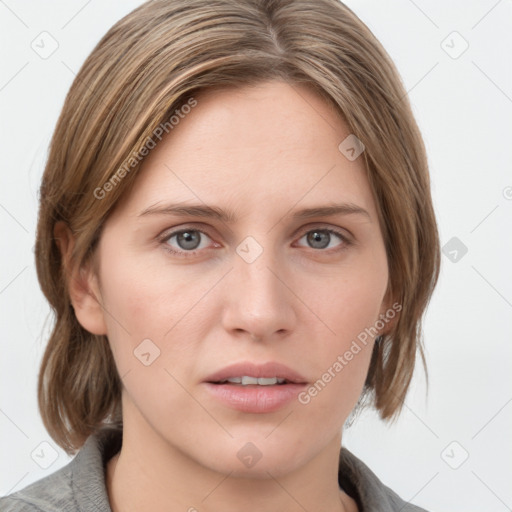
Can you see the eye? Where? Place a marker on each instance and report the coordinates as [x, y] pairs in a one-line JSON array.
[[324, 238], [185, 240]]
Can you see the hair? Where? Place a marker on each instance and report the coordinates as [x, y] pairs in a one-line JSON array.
[[153, 62]]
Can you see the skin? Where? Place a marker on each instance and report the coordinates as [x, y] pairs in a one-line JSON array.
[[262, 152]]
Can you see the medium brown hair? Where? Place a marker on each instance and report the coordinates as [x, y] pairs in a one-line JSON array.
[[148, 65]]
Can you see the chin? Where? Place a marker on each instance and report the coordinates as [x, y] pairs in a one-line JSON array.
[[256, 455]]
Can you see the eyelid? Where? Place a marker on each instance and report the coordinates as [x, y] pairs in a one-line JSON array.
[[343, 233], [189, 226]]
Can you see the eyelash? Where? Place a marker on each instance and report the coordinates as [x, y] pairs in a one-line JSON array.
[[346, 242]]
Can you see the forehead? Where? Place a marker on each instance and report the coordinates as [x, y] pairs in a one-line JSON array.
[[260, 120], [272, 142]]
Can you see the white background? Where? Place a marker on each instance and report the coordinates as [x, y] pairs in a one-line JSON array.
[[464, 108]]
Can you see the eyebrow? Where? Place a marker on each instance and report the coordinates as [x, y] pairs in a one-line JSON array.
[[228, 217]]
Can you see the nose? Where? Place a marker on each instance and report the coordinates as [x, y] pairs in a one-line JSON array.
[[259, 300]]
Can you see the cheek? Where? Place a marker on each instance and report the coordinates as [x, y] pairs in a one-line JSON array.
[[144, 296], [153, 331], [351, 302], [350, 308], [164, 304]]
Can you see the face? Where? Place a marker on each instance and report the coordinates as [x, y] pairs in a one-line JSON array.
[[248, 239]]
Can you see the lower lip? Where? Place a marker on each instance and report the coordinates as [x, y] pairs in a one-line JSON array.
[[254, 398]]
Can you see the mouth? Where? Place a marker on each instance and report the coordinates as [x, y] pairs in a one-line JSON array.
[[253, 388], [251, 374]]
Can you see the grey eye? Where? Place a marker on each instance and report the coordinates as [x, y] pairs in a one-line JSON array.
[[188, 240], [318, 239], [324, 238]]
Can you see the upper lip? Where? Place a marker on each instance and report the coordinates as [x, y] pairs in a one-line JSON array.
[[265, 370]]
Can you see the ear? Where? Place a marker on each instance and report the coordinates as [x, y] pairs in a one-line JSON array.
[[82, 282], [389, 312]]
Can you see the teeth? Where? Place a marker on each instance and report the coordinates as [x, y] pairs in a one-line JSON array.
[[267, 381], [249, 380], [262, 381]]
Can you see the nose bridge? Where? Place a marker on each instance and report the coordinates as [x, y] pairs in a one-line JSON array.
[[259, 303]]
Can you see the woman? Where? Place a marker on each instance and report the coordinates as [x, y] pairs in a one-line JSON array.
[[237, 237]]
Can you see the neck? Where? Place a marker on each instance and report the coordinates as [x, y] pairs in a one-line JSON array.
[[151, 474]]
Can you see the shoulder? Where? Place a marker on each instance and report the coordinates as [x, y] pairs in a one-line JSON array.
[[51, 493], [78, 486], [371, 495]]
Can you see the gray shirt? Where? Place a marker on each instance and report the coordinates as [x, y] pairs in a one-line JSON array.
[[80, 485]]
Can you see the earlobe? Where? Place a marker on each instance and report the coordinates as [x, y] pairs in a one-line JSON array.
[[82, 284]]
